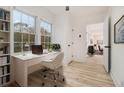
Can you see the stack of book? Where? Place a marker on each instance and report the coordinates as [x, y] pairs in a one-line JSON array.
[[1, 71], [1, 13], [7, 16], [3, 60], [4, 14], [4, 75], [4, 20], [4, 26], [0, 81]]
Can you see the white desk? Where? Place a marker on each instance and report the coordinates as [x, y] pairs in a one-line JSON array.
[[21, 64]]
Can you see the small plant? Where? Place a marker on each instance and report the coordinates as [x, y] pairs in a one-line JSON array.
[[56, 47]]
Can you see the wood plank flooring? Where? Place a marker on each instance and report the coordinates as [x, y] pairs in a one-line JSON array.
[[90, 73], [87, 74]]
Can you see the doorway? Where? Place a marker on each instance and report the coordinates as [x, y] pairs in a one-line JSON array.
[[99, 35], [95, 39]]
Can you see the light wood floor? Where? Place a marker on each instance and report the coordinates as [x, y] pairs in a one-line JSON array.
[[90, 73]]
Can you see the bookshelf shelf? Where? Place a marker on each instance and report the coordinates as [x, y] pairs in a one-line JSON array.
[[4, 64], [4, 75], [4, 20], [4, 47], [4, 54], [5, 31], [4, 42]]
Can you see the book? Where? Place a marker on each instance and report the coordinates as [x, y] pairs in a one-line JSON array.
[[3, 26], [0, 81], [5, 70], [1, 14], [1, 71], [7, 16], [0, 25], [8, 78], [4, 80]]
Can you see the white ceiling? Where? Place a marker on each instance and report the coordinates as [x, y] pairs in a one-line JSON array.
[[78, 10]]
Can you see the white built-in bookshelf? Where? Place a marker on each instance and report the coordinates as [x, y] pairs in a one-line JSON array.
[[4, 47]]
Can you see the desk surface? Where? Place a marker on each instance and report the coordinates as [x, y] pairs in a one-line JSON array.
[[29, 56]]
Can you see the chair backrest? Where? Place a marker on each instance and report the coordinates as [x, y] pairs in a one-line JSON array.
[[58, 60]]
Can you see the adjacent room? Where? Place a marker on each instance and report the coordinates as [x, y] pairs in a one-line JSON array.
[[61, 46]]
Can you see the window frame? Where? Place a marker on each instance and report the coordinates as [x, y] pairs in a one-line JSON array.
[[23, 33], [46, 35]]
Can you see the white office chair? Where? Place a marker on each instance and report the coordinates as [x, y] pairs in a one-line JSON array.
[[54, 64]]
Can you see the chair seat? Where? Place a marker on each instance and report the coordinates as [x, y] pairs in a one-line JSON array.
[[53, 63]]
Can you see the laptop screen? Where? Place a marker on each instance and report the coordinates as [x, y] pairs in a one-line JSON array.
[[37, 49]]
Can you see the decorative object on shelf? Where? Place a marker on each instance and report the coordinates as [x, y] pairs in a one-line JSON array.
[[56, 47], [1, 39], [4, 50], [119, 31], [1, 50]]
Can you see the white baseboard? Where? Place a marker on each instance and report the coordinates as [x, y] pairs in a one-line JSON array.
[[80, 60], [116, 82], [66, 63]]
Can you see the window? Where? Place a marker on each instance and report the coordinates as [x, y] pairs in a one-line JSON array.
[[46, 30], [24, 31]]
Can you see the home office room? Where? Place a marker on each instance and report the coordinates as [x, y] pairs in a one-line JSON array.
[[68, 45]]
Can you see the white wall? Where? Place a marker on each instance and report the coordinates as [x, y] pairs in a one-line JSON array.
[[79, 26], [117, 63], [62, 35]]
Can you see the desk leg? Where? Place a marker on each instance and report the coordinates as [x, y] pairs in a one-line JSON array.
[[21, 74]]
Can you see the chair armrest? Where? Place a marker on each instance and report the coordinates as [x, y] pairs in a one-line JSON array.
[[47, 61]]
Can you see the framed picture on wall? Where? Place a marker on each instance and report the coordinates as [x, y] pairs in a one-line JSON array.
[[119, 31]]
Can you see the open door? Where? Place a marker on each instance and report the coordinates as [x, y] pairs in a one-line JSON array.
[[107, 44]]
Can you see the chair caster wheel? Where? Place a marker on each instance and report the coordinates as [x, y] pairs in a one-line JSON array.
[[55, 85], [58, 74], [63, 79], [44, 76], [43, 84]]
